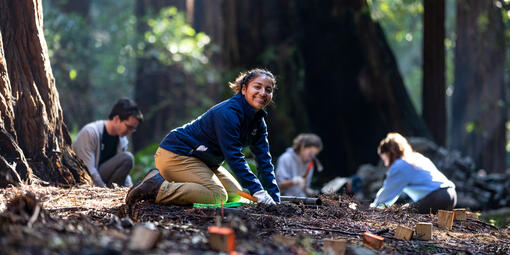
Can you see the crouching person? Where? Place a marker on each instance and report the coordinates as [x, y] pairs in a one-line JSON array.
[[103, 145], [296, 166], [414, 174], [188, 160]]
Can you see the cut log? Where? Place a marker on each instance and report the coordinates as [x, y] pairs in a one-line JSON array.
[[404, 233], [460, 214], [423, 231], [445, 219], [144, 237], [285, 240], [334, 246], [372, 240], [222, 239]]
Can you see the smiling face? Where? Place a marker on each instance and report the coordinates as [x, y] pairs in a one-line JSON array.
[[258, 92]]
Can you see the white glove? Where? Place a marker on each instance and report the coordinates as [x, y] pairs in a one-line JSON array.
[[298, 181], [311, 192], [263, 197]]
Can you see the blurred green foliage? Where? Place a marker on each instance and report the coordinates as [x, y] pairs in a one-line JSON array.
[[498, 220], [144, 162], [174, 41]]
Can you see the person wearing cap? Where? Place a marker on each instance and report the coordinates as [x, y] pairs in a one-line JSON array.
[[189, 159]]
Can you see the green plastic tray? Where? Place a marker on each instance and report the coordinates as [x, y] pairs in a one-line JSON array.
[[230, 204]]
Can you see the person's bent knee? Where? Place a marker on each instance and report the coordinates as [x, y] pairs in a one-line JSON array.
[[219, 195], [127, 159]]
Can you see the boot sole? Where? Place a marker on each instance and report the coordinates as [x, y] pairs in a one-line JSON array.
[[147, 176]]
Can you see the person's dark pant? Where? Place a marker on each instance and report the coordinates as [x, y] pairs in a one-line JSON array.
[[116, 169], [440, 199]]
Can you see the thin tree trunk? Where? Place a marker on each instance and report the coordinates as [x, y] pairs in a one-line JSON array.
[[478, 102], [34, 140], [434, 92]]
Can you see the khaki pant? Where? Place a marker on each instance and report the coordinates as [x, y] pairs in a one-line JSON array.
[[189, 180]]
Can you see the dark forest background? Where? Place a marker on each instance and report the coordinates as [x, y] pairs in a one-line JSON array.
[[349, 70]]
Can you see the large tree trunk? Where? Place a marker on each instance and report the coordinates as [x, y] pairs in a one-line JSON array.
[[34, 142], [434, 92], [334, 67], [478, 110], [354, 92]]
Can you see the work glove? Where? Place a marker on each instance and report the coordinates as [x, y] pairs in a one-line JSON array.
[[298, 181], [311, 192], [263, 197]]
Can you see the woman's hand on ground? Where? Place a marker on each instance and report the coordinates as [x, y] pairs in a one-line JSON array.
[[298, 181], [263, 197]]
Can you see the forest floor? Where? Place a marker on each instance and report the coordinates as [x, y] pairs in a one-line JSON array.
[[90, 220]]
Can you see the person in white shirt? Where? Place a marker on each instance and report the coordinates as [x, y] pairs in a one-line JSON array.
[[296, 166]]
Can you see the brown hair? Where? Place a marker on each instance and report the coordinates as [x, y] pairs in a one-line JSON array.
[[245, 78], [306, 140], [396, 146]]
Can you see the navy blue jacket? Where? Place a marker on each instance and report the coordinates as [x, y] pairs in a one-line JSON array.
[[220, 134]]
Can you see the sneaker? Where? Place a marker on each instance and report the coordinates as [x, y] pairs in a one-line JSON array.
[[146, 189]]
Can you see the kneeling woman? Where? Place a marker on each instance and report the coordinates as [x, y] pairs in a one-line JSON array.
[[189, 158], [414, 174]]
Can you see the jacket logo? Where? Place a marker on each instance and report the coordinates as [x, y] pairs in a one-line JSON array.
[[201, 148], [254, 132]]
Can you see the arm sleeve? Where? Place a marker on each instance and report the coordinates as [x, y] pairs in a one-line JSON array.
[[283, 169], [393, 185], [265, 169], [85, 146], [227, 130]]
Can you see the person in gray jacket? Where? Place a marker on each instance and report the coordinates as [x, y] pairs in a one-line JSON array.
[[103, 145], [296, 166]]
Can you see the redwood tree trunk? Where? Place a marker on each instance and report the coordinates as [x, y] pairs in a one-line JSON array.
[[434, 91], [34, 141], [478, 110], [336, 73]]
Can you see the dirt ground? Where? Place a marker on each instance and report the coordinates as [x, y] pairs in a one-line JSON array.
[[90, 220]]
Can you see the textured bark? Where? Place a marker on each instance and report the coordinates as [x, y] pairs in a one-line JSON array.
[[337, 75], [354, 92], [434, 91], [34, 142], [478, 103]]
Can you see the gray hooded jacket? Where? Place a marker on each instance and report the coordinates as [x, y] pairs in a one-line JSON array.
[[87, 146]]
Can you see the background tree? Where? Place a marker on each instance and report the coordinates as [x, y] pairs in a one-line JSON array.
[[434, 89], [479, 97], [72, 60], [169, 86], [331, 72], [34, 142]]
